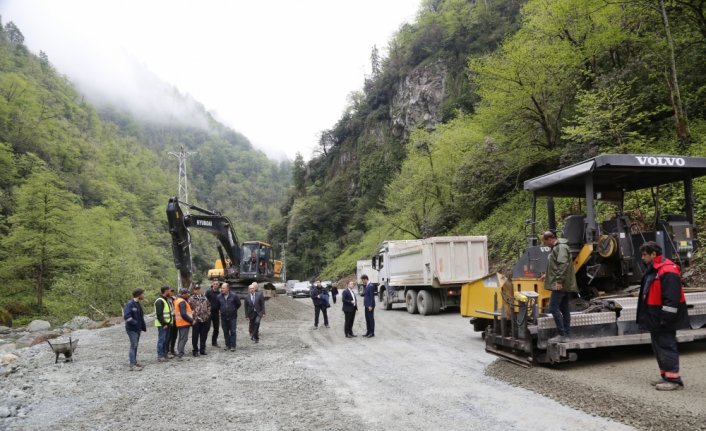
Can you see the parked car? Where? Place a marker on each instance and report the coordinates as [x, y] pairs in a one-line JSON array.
[[279, 288], [301, 289], [289, 285]]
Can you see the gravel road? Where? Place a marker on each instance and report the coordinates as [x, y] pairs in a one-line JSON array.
[[418, 373]]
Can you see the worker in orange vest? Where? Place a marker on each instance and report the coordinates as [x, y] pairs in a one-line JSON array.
[[183, 318]]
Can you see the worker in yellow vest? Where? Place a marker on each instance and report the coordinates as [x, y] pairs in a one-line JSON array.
[[163, 321], [183, 318]]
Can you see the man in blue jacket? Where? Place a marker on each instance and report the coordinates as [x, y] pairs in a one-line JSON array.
[[228, 304], [369, 304], [134, 324], [320, 305]]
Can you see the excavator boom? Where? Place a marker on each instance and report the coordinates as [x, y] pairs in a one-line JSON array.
[[218, 225]]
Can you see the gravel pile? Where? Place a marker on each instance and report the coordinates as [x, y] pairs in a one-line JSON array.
[[616, 385]]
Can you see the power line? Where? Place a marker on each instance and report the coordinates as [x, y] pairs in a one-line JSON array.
[[183, 192]]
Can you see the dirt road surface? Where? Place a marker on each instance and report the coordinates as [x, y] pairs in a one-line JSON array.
[[418, 373]]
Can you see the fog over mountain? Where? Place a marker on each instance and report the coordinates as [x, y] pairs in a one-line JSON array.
[[278, 72]]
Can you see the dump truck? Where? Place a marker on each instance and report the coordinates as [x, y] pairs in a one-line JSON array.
[[604, 239], [427, 274], [365, 266]]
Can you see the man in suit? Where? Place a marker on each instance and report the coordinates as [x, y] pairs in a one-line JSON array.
[[254, 310], [369, 304], [350, 306]]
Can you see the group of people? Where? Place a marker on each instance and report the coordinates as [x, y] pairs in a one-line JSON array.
[[175, 315], [661, 310], [320, 298]]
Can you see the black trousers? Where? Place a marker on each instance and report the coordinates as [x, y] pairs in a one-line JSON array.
[[369, 321], [173, 335], [348, 326], [254, 326], [664, 344], [199, 334], [216, 321], [322, 309], [334, 298]]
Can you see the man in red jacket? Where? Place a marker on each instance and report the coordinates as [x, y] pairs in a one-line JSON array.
[[661, 309]]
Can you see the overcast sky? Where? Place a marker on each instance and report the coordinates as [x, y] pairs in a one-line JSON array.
[[278, 71]]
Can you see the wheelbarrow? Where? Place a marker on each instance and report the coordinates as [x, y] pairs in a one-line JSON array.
[[66, 348]]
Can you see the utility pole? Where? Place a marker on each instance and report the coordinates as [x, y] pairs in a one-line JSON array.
[[284, 261], [182, 192]]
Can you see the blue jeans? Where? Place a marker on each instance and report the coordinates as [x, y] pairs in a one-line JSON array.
[[229, 326], [134, 337], [162, 341], [559, 307]]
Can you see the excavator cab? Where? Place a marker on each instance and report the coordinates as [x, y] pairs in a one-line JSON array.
[[258, 261]]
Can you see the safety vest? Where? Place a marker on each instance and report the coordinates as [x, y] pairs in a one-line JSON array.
[[180, 322], [654, 295], [166, 311]]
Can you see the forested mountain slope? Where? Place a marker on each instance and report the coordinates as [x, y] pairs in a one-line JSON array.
[[83, 192], [473, 98]]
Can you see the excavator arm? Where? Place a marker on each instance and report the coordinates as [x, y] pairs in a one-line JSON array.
[[218, 225]]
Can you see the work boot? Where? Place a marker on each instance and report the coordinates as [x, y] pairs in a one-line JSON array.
[[195, 353], [657, 382], [559, 339], [214, 344], [135, 368], [203, 353], [668, 386]]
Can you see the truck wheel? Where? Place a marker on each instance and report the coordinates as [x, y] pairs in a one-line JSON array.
[[436, 300], [385, 300], [425, 302], [411, 300]]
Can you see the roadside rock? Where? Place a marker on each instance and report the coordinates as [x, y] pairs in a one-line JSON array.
[[38, 325], [7, 359], [30, 340], [5, 330], [5, 412], [80, 322]]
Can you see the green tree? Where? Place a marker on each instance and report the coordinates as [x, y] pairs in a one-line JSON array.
[[14, 34], [299, 173], [607, 118], [39, 245]]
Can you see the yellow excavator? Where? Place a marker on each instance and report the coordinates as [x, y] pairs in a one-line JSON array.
[[238, 265], [513, 312]]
